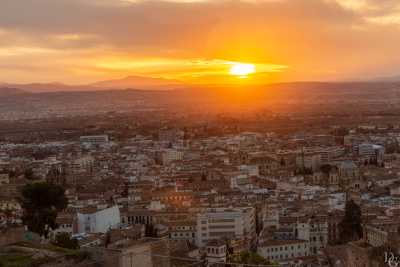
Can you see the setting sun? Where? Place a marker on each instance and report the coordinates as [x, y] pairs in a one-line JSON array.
[[242, 70]]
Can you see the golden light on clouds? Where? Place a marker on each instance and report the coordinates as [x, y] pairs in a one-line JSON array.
[[199, 41], [187, 69]]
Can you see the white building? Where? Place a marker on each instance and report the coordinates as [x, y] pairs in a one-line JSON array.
[[215, 252], [82, 164], [4, 178], [371, 152], [315, 232], [225, 223], [99, 221], [283, 250], [170, 155], [308, 161], [250, 170], [94, 139]]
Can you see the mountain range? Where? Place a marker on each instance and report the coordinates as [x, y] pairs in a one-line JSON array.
[[130, 82], [161, 84]]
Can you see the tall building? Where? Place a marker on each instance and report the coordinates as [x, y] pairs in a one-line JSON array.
[[370, 153], [169, 155], [218, 223]]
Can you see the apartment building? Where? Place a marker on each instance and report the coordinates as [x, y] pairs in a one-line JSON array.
[[221, 223], [283, 250]]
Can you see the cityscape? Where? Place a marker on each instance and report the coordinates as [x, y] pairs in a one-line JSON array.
[[205, 133]]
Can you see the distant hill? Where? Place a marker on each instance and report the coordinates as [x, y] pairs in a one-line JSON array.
[[130, 82], [159, 84], [395, 78], [138, 83], [7, 91], [308, 97], [51, 87]]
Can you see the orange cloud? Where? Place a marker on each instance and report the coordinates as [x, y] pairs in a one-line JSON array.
[[82, 41]]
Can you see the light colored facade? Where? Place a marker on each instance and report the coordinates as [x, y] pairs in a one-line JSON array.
[[82, 164], [374, 236], [94, 139], [64, 225], [225, 223], [4, 178], [99, 221], [139, 253], [182, 231], [371, 152], [170, 155], [216, 252], [309, 161], [315, 232], [9, 204], [283, 250]]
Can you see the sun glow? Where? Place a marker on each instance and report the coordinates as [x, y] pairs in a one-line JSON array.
[[242, 70]]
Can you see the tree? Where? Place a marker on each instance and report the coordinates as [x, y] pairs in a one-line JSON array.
[[41, 203], [8, 213], [326, 168], [248, 257], [107, 240], [65, 241], [55, 176], [350, 228], [29, 175], [341, 131], [150, 231]]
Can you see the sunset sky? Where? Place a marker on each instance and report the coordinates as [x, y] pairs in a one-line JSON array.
[[82, 41]]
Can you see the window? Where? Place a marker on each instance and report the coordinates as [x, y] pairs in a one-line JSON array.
[[221, 226], [222, 220]]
